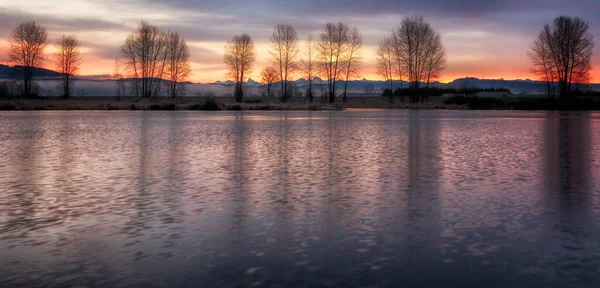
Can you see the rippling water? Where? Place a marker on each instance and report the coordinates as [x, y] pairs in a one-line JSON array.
[[299, 199]]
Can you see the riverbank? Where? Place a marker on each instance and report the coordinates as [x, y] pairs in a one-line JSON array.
[[216, 104], [211, 104]]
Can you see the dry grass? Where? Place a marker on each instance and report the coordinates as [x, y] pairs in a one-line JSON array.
[[196, 103]]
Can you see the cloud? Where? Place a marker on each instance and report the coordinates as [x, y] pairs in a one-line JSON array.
[[472, 30], [10, 18]]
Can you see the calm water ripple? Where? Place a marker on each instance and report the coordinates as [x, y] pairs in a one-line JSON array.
[[300, 199]]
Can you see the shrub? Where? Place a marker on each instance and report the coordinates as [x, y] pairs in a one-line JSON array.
[[8, 107], [236, 108], [4, 89], [210, 104], [387, 93], [165, 107]]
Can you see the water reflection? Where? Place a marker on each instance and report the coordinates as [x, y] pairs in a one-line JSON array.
[[351, 199], [423, 202], [568, 185]]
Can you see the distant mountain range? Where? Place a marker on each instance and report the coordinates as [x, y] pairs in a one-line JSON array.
[[518, 86], [16, 72], [526, 86]]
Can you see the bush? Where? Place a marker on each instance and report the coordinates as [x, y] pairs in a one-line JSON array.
[[4, 90], [165, 107], [111, 107], [8, 107], [236, 108], [387, 93], [210, 104]]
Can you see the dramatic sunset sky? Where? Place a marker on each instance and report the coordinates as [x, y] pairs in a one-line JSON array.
[[485, 39]]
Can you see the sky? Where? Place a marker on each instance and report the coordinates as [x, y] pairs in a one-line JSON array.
[[484, 39]]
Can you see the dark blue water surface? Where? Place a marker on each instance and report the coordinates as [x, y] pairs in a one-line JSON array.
[[300, 199]]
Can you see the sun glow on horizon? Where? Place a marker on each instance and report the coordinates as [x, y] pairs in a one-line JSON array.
[[481, 51]]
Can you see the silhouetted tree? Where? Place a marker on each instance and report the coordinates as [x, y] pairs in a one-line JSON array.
[[118, 78], [239, 58], [419, 50], [332, 49], [27, 44], [284, 42], [541, 63], [145, 52], [178, 64], [435, 59], [68, 59], [269, 76], [385, 61], [353, 58], [564, 49], [398, 60], [309, 66]]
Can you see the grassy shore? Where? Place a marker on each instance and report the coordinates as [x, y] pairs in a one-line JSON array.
[[213, 104], [203, 103]]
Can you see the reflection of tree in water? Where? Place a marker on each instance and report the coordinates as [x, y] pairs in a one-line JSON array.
[[567, 190], [280, 197], [567, 166], [24, 189], [143, 198], [172, 214], [238, 192], [423, 201]]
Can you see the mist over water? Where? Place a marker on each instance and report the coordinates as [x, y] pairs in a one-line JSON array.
[[294, 199]]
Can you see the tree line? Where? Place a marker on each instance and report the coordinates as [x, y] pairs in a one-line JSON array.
[[155, 61], [26, 47], [336, 55]]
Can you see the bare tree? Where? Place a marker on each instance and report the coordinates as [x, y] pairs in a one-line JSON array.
[[419, 50], [269, 76], [385, 61], [118, 78], [564, 48], [146, 54], [68, 59], [332, 46], [309, 65], [399, 63], [239, 58], [178, 64], [541, 63], [27, 44], [284, 42], [352, 58], [435, 59]]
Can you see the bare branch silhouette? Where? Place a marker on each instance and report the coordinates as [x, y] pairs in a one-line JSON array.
[[385, 61], [332, 47], [68, 59], [239, 58], [145, 53], [284, 42], [419, 51], [309, 65], [353, 58], [269, 76], [178, 64], [27, 44], [562, 53]]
